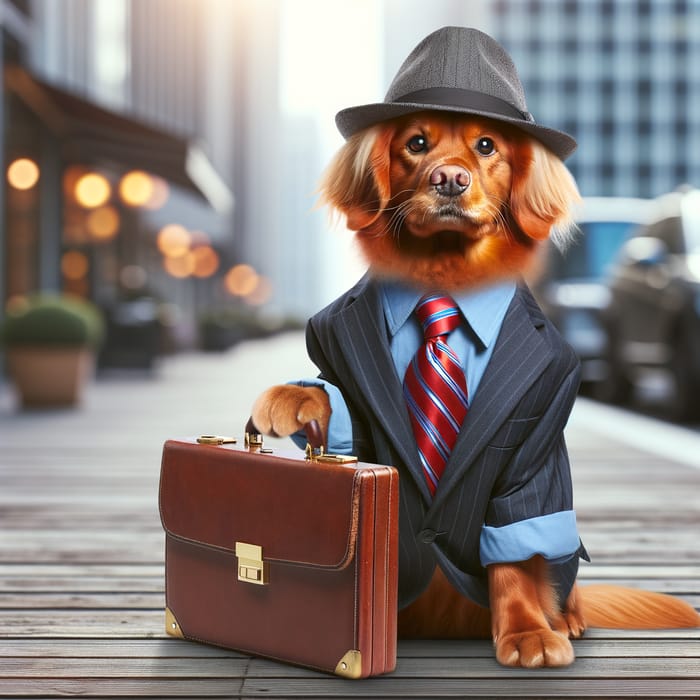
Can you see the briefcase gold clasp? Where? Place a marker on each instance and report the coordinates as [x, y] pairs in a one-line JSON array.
[[318, 455], [216, 440], [253, 440], [251, 567]]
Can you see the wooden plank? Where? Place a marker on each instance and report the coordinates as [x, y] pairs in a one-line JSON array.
[[642, 571], [81, 570], [77, 601], [167, 647], [82, 623], [329, 687], [487, 667], [124, 688], [415, 668], [93, 546], [527, 687], [126, 668]]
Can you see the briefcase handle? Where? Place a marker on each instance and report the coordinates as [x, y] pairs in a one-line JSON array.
[[314, 435]]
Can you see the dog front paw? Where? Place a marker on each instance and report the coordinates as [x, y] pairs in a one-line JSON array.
[[571, 621], [284, 409], [534, 649]]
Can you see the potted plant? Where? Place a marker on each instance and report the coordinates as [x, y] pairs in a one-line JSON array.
[[51, 341]]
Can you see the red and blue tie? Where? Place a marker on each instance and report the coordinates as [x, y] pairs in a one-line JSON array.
[[435, 387]]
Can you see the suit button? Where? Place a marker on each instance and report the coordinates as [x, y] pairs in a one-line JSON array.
[[427, 536]]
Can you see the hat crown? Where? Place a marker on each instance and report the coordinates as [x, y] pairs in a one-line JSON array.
[[463, 58], [459, 70]]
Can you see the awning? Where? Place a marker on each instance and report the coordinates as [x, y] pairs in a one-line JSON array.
[[90, 134]]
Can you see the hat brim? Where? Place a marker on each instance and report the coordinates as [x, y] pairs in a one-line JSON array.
[[353, 119]]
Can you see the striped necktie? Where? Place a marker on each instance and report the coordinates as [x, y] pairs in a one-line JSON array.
[[435, 388]]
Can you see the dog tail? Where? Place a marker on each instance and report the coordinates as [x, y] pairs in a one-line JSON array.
[[616, 607]]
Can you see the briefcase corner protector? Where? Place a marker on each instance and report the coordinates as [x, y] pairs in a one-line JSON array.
[[350, 666], [171, 625]]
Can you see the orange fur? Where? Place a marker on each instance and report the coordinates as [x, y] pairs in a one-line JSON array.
[[628, 608], [442, 613], [517, 196], [284, 409]]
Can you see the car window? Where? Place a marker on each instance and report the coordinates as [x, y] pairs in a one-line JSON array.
[[593, 250]]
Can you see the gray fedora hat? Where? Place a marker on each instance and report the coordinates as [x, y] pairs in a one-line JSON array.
[[457, 69]]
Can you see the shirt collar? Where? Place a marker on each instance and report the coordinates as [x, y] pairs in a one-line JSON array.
[[483, 308]]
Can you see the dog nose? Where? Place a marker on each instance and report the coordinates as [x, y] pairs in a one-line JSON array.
[[450, 180]]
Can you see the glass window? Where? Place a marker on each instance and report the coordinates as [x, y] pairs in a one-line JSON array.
[[594, 250]]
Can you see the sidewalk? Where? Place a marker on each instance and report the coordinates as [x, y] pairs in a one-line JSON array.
[[187, 394], [81, 549]]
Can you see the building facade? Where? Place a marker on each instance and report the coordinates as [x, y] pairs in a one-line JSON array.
[[619, 75]]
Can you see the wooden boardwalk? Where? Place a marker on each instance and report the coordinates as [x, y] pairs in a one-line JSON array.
[[81, 554]]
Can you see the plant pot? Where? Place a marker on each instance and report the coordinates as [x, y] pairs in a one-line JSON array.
[[47, 377]]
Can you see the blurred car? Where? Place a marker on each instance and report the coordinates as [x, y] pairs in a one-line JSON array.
[[571, 286], [653, 315]]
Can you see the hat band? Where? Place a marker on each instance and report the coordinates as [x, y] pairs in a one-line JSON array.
[[468, 99]]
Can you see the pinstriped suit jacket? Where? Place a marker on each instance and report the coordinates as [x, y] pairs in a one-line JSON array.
[[509, 463]]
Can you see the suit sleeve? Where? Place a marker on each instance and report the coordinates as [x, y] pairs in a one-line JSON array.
[[345, 431], [531, 507]]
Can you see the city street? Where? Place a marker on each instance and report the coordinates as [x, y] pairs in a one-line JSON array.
[[81, 559]]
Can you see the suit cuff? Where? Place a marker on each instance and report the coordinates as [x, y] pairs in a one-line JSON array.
[[553, 536], [339, 436]]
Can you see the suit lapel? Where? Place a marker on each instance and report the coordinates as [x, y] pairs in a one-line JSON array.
[[361, 330], [519, 358]]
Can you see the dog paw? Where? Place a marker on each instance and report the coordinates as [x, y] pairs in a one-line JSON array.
[[534, 649], [282, 410], [571, 619], [575, 623]]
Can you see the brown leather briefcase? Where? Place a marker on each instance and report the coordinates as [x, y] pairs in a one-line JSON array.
[[285, 556]]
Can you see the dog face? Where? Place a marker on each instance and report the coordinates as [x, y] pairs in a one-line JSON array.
[[448, 201]]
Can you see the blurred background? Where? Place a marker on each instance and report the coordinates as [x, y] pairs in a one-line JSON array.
[[161, 158]]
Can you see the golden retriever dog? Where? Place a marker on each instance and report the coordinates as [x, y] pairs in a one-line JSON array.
[[452, 201]]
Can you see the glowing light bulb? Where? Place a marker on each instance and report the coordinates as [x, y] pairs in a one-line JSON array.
[[23, 173]]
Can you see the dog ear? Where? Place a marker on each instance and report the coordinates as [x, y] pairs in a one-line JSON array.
[[543, 194], [356, 182]]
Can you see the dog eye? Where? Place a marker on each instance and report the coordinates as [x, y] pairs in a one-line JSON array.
[[485, 146], [417, 144]]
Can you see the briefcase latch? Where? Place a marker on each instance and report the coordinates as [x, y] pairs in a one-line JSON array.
[[251, 567], [318, 455]]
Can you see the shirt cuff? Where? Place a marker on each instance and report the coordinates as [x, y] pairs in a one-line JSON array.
[[339, 436], [553, 536]]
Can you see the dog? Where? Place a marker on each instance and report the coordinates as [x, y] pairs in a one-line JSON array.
[[459, 199]]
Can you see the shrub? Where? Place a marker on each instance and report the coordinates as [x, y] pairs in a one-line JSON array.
[[52, 319]]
